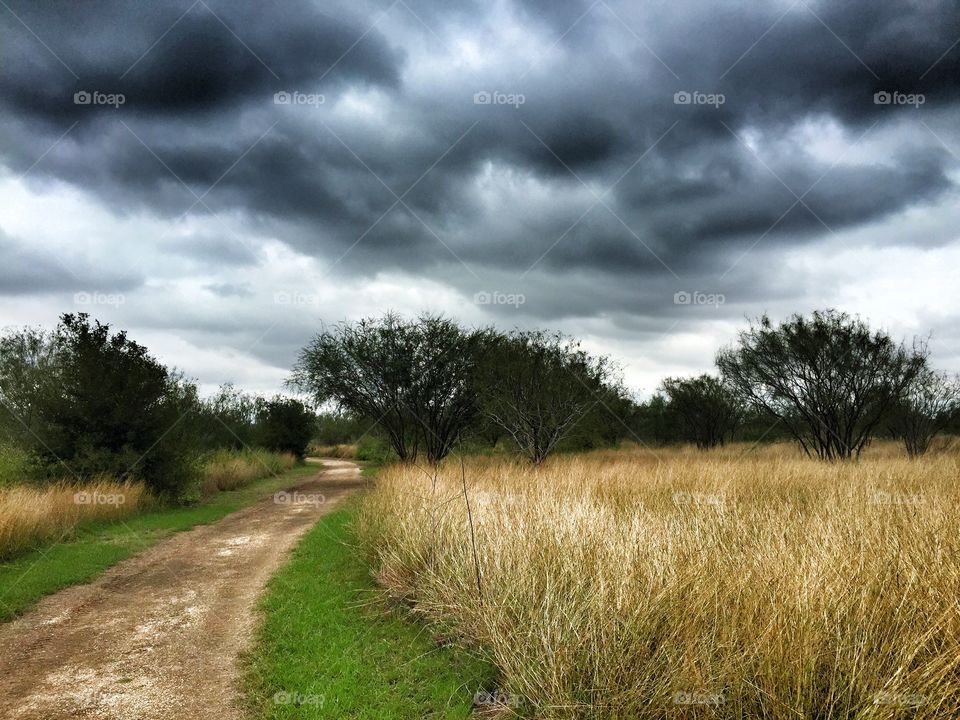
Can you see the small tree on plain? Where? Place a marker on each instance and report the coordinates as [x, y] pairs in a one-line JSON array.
[[929, 404], [707, 409], [411, 377], [107, 406], [829, 379], [537, 386]]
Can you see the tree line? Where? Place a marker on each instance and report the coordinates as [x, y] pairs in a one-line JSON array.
[[826, 381], [84, 400]]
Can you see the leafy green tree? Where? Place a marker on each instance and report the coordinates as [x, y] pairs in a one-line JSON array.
[[829, 379], [27, 359], [229, 418], [104, 405], [285, 425], [339, 428]]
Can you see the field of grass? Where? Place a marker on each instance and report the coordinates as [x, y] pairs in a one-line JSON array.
[[95, 546], [330, 648], [654, 584], [231, 469]]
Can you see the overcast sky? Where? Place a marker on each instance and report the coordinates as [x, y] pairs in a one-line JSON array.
[[222, 177]]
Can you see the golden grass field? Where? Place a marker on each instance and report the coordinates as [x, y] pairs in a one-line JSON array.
[[680, 584], [31, 514]]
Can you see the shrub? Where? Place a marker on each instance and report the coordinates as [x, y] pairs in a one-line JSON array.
[[285, 425], [371, 449], [95, 402], [17, 466]]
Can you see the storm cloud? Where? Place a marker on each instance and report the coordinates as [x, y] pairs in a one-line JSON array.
[[596, 158]]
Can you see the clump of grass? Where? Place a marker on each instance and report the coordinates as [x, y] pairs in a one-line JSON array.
[[341, 451], [30, 515], [729, 584], [231, 469]]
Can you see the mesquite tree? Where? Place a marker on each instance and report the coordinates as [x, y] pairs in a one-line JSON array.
[[410, 377], [708, 410], [537, 386], [930, 402], [828, 378]]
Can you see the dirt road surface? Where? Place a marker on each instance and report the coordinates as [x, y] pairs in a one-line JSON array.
[[158, 635]]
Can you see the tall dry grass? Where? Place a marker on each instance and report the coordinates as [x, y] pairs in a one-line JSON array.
[[640, 584], [342, 451], [32, 514], [231, 469]]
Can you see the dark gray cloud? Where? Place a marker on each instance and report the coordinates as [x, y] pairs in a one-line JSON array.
[[600, 193]]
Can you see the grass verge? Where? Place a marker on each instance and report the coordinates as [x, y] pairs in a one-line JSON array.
[[94, 547], [330, 648]]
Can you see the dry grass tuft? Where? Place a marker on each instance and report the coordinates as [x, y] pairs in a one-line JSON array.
[[229, 469], [342, 452], [642, 584], [30, 514]]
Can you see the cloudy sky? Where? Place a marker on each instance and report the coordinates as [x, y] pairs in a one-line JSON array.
[[221, 177]]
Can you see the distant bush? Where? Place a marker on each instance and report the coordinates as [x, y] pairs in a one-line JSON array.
[[372, 449], [16, 465]]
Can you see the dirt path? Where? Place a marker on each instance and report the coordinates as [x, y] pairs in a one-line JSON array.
[[158, 635]]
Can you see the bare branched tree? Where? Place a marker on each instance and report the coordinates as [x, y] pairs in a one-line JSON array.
[[537, 386], [929, 404], [411, 377], [828, 379], [707, 409]]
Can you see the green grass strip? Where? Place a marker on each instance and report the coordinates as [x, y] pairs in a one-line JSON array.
[[330, 648]]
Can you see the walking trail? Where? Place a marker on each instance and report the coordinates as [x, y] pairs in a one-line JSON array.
[[159, 635]]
